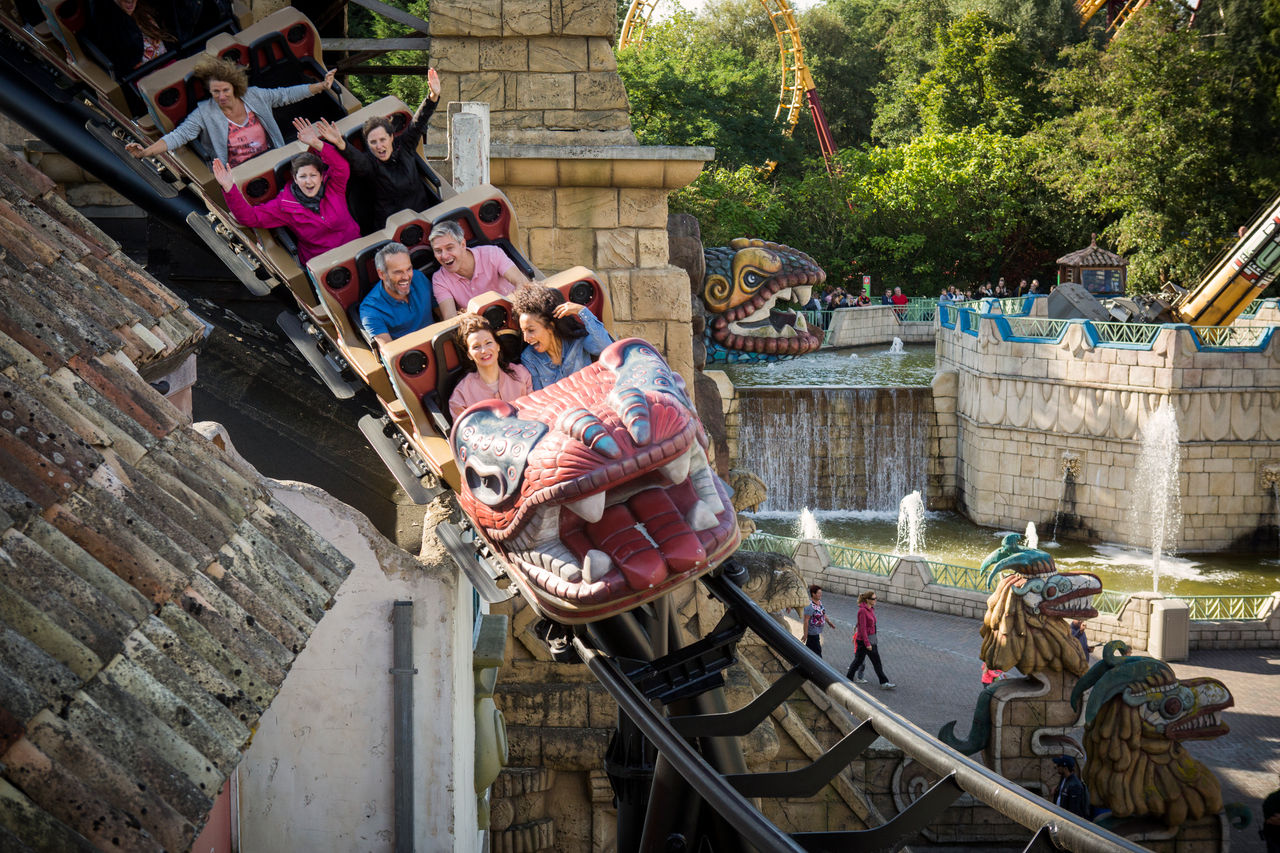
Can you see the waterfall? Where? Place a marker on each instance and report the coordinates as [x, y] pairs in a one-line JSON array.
[[835, 448]]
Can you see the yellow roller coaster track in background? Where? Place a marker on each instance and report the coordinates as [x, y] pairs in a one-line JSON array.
[[1086, 9], [796, 80]]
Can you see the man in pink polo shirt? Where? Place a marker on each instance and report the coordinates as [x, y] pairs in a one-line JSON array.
[[466, 273]]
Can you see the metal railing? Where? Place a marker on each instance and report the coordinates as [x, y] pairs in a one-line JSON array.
[[1230, 336], [859, 560], [1034, 328], [1111, 603], [1130, 334], [921, 309], [770, 542], [960, 577], [1224, 608]]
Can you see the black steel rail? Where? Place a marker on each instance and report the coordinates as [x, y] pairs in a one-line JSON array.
[[684, 769]]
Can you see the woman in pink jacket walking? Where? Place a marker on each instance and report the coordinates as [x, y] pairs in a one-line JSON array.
[[313, 206], [864, 642]]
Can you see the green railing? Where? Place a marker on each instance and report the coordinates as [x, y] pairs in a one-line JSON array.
[[1036, 327], [1138, 334], [1110, 602], [1229, 336], [858, 560], [760, 542], [961, 577], [1251, 310], [1227, 607], [921, 309], [1012, 305]]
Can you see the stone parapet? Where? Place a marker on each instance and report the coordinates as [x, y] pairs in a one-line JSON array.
[[874, 324], [1024, 406]]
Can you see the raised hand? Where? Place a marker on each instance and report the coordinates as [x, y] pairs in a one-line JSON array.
[[308, 133], [330, 133], [433, 84], [222, 175], [568, 309], [327, 83]]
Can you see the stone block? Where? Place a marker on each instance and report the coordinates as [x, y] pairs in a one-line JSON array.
[[485, 86], [600, 55], [640, 173], [652, 251], [599, 90], [586, 207], [526, 17], [558, 55], [457, 55], [507, 54], [465, 18], [535, 207], [659, 294], [543, 91], [533, 172], [598, 120], [642, 208], [587, 17], [560, 248], [620, 293], [574, 748], [586, 173], [616, 249]]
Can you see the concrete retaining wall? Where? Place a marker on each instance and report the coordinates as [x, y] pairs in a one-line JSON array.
[[874, 324]]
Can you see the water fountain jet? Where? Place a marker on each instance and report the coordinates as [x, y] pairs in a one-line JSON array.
[[1156, 492], [808, 525], [1033, 540], [896, 348], [911, 524]]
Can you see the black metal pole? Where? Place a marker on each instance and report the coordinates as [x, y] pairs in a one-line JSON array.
[[402, 672]]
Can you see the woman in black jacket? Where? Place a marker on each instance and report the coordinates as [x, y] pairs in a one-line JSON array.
[[389, 162]]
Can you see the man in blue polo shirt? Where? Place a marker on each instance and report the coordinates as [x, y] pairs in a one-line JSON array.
[[402, 303]]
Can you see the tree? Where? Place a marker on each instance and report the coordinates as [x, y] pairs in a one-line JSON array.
[[982, 76], [410, 88], [1146, 144], [908, 47], [686, 89], [1043, 27]]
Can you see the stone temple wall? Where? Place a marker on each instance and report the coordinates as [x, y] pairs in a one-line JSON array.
[[564, 153], [1029, 414]]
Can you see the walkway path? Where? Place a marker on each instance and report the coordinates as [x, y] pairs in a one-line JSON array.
[[933, 658]]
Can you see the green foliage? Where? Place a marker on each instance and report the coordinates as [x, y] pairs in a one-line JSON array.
[[982, 76], [1146, 143], [363, 23], [729, 107], [909, 47], [731, 203]]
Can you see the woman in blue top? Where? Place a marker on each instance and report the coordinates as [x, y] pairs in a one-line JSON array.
[[562, 337]]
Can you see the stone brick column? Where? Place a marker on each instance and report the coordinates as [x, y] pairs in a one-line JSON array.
[[564, 152]]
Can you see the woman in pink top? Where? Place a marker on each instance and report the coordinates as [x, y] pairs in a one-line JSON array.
[[313, 206], [493, 377], [864, 641]]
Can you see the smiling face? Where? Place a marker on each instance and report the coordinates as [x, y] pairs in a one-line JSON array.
[[397, 278], [308, 180], [537, 334], [482, 347], [223, 93], [380, 143], [452, 254]]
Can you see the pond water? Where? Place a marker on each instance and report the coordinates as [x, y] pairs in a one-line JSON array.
[[950, 538], [843, 367]]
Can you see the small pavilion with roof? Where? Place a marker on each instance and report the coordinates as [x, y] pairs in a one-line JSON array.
[[1101, 272]]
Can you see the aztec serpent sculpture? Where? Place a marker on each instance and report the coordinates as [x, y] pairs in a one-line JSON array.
[[1137, 716], [740, 289], [1026, 626], [596, 491]]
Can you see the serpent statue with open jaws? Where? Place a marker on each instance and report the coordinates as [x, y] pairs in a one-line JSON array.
[[1137, 716], [596, 491], [740, 290]]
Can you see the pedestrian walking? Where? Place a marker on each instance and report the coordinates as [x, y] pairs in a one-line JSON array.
[[1071, 794], [815, 619], [865, 644], [1077, 631]]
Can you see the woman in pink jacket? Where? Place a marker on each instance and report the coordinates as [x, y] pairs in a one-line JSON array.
[[864, 641], [313, 206]]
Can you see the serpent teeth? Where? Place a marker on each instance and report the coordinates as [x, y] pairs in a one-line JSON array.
[[704, 482], [589, 509], [677, 470], [596, 566], [700, 517]]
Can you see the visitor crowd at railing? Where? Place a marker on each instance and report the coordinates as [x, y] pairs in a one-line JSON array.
[[1205, 607]]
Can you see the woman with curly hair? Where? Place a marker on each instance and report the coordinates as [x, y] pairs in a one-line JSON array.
[[489, 375], [563, 337], [235, 121]]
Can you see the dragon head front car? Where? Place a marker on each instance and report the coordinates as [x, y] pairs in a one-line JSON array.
[[596, 491]]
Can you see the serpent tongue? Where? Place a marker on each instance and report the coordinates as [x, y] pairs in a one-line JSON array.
[[647, 538]]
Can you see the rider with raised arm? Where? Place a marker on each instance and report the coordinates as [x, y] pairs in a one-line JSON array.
[[390, 161], [563, 337], [235, 121], [313, 206]]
